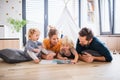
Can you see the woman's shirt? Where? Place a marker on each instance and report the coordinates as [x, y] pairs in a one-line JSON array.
[[55, 48]]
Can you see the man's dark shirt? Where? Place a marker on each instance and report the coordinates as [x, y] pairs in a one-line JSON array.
[[95, 45]]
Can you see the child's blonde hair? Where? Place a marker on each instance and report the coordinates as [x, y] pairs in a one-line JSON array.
[[67, 41], [32, 31]]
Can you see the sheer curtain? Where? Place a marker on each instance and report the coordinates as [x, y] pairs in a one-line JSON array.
[[66, 20], [66, 25]]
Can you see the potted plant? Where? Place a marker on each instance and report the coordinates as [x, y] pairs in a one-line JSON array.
[[17, 24]]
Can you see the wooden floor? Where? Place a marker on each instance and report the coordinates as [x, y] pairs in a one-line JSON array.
[[79, 71]]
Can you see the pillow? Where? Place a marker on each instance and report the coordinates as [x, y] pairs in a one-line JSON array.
[[13, 55]]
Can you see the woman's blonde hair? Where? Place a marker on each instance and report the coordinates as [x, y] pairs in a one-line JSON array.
[[67, 41], [32, 31]]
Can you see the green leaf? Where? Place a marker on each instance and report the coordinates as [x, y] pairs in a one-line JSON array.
[[17, 24]]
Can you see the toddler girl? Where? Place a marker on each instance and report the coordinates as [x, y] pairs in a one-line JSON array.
[[67, 50], [33, 47]]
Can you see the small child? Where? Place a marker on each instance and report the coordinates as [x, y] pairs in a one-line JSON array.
[[67, 50], [33, 47]]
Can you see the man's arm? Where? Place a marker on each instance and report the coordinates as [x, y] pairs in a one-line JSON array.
[[101, 58], [89, 58], [103, 50]]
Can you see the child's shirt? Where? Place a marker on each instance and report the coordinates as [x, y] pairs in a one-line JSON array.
[[30, 45]]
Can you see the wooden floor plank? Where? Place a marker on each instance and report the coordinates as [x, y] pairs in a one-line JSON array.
[[79, 71]]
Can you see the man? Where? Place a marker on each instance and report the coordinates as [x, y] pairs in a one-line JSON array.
[[90, 48]]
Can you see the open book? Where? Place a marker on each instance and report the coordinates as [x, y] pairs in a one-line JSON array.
[[55, 61]]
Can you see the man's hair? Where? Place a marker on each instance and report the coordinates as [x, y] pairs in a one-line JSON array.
[[86, 32]]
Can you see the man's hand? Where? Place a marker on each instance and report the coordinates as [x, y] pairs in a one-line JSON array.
[[87, 57]]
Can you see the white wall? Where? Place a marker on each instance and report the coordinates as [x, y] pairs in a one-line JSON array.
[[13, 9]]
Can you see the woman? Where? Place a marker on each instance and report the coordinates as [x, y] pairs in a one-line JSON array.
[[52, 43]]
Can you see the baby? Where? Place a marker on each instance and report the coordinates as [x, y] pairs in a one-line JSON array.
[[33, 47]]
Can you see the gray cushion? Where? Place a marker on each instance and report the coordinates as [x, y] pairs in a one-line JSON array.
[[13, 55]]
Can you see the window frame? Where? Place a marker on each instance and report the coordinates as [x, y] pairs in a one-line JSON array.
[[114, 11], [100, 19]]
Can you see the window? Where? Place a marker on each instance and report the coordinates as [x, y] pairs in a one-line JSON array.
[[35, 15], [41, 13], [117, 17], [105, 17], [109, 17], [89, 15]]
